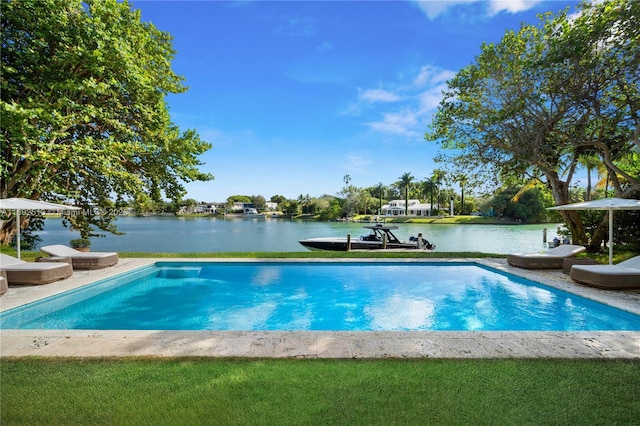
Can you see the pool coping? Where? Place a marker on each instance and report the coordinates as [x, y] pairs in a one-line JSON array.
[[321, 344]]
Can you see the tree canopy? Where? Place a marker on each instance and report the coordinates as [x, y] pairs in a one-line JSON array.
[[533, 104], [84, 114]]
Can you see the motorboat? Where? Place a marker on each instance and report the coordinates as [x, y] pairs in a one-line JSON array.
[[252, 213], [380, 237]]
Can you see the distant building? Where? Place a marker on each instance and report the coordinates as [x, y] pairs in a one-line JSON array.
[[205, 209], [415, 208], [239, 206], [271, 206]]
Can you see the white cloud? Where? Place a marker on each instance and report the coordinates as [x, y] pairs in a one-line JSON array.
[[413, 107], [378, 95], [405, 106], [435, 8], [368, 98], [432, 75], [353, 109], [511, 6], [401, 123], [430, 99]]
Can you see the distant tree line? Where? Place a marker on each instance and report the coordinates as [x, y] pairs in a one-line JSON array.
[[527, 206]]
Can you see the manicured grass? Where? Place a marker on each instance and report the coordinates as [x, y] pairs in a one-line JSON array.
[[351, 392], [319, 254], [619, 255], [603, 258], [31, 255]]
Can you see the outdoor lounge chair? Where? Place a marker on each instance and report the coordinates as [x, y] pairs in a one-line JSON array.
[[4, 285], [82, 260], [551, 259], [622, 276], [21, 272]]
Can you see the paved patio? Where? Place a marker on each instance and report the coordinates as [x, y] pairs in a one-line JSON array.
[[320, 344]]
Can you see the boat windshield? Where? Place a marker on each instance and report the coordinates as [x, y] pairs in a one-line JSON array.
[[379, 232]]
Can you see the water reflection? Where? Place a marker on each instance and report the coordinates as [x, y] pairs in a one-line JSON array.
[[192, 235]]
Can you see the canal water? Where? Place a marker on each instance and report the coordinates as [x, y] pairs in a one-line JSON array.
[[207, 234]]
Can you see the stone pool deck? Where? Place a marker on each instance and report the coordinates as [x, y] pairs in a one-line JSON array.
[[320, 344]]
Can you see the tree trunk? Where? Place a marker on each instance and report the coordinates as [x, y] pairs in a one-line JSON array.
[[560, 192], [574, 223], [599, 235], [9, 228], [7, 232]]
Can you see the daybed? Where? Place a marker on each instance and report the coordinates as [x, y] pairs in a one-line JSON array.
[[21, 272], [81, 260], [622, 276], [4, 286], [551, 259]]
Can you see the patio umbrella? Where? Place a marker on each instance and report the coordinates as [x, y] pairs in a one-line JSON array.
[[609, 204], [23, 204]]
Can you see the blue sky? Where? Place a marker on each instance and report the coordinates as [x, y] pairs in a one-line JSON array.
[[294, 95]]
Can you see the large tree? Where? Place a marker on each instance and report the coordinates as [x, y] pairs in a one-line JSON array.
[[84, 114], [532, 104]]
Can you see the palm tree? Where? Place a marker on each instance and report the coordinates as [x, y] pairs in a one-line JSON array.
[[304, 200], [429, 188], [534, 182], [380, 190], [364, 197], [438, 177], [405, 184], [590, 161], [462, 180]]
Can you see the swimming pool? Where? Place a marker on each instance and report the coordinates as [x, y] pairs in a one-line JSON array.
[[318, 296]]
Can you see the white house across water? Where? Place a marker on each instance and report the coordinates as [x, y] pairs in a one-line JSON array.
[[396, 208]]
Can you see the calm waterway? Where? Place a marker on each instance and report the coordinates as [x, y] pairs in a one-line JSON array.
[[207, 234]]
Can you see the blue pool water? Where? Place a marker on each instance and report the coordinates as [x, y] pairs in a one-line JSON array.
[[318, 296]]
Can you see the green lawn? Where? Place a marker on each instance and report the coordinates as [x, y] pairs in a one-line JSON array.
[[31, 255], [300, 392], [603, 258]]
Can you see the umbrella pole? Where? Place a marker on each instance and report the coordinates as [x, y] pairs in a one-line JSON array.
[[18, 226]]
